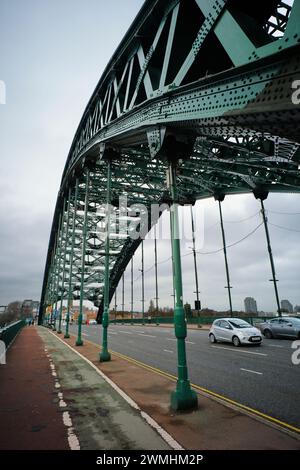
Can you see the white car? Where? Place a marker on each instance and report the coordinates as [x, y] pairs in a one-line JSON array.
[[234, 330], [92, 322]]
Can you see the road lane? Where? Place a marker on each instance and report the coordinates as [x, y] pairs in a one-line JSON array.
[[273, 390]]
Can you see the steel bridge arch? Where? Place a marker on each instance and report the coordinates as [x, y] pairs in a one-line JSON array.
[[213, 84]]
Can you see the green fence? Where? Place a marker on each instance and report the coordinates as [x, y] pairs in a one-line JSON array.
[[9, 332], [190, 321]]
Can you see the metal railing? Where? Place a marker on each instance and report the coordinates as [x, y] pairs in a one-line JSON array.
[[9, 332]]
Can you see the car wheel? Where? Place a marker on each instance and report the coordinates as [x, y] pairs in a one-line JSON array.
[[212, 338], [268, 334], [236, 341]]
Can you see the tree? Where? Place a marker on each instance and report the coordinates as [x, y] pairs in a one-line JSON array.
[[11, 314], [188, 310], [151, 309]]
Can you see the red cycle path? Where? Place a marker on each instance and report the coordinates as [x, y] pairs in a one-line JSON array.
[[29, 414]]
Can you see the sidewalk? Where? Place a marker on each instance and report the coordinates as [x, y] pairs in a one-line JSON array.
[[29, 417], [53, 398]]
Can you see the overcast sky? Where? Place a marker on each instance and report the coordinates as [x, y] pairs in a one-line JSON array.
[[52, 55]]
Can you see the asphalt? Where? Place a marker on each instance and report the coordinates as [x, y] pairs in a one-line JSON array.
[[261, 377]]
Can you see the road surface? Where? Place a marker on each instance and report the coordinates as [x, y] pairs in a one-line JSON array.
[[261, 377]]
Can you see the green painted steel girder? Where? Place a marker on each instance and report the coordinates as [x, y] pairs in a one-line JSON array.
[[217, 80]]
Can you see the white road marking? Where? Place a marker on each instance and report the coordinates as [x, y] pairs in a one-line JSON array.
[[126, 332], [164, 434], [149, 336], [85, 334], [252, 371], [72, 438], [190, 342], [111, 333], [239, 350], [171, 339], [274, 346], [168, 350]]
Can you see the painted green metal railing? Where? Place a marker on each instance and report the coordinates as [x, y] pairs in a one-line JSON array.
[[8, 333]]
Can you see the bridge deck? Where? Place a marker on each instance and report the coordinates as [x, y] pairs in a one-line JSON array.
[[86, 412]]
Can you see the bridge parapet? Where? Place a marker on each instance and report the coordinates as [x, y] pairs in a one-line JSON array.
[[9, 332]]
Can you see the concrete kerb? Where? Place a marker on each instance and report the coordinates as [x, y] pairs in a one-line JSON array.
[[150, 421]]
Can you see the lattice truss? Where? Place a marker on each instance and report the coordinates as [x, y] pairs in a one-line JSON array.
[[211, 81]]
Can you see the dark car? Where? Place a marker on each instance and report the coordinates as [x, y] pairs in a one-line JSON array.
[[279, 327]]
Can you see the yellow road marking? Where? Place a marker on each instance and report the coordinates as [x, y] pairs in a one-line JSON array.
[[205, 390]]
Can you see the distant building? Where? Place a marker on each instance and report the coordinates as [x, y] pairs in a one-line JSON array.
[[250, 305], [287, 306], [87, 314], [297, 308]]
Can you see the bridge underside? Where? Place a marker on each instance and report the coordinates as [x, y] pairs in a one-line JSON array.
[[210, 85]]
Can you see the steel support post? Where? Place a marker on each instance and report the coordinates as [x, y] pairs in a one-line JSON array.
[[274, 280], [70, 287], [183, 398], [79, 341], [143, 284], [116, 304], [173, 294], [64, 263], [46, 301], [131, 291], [123, 295], [53, 279], [49, 290], [52, 286], [105, 355], [195, 266], [156, 278], [228, 287], [58, 251]]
